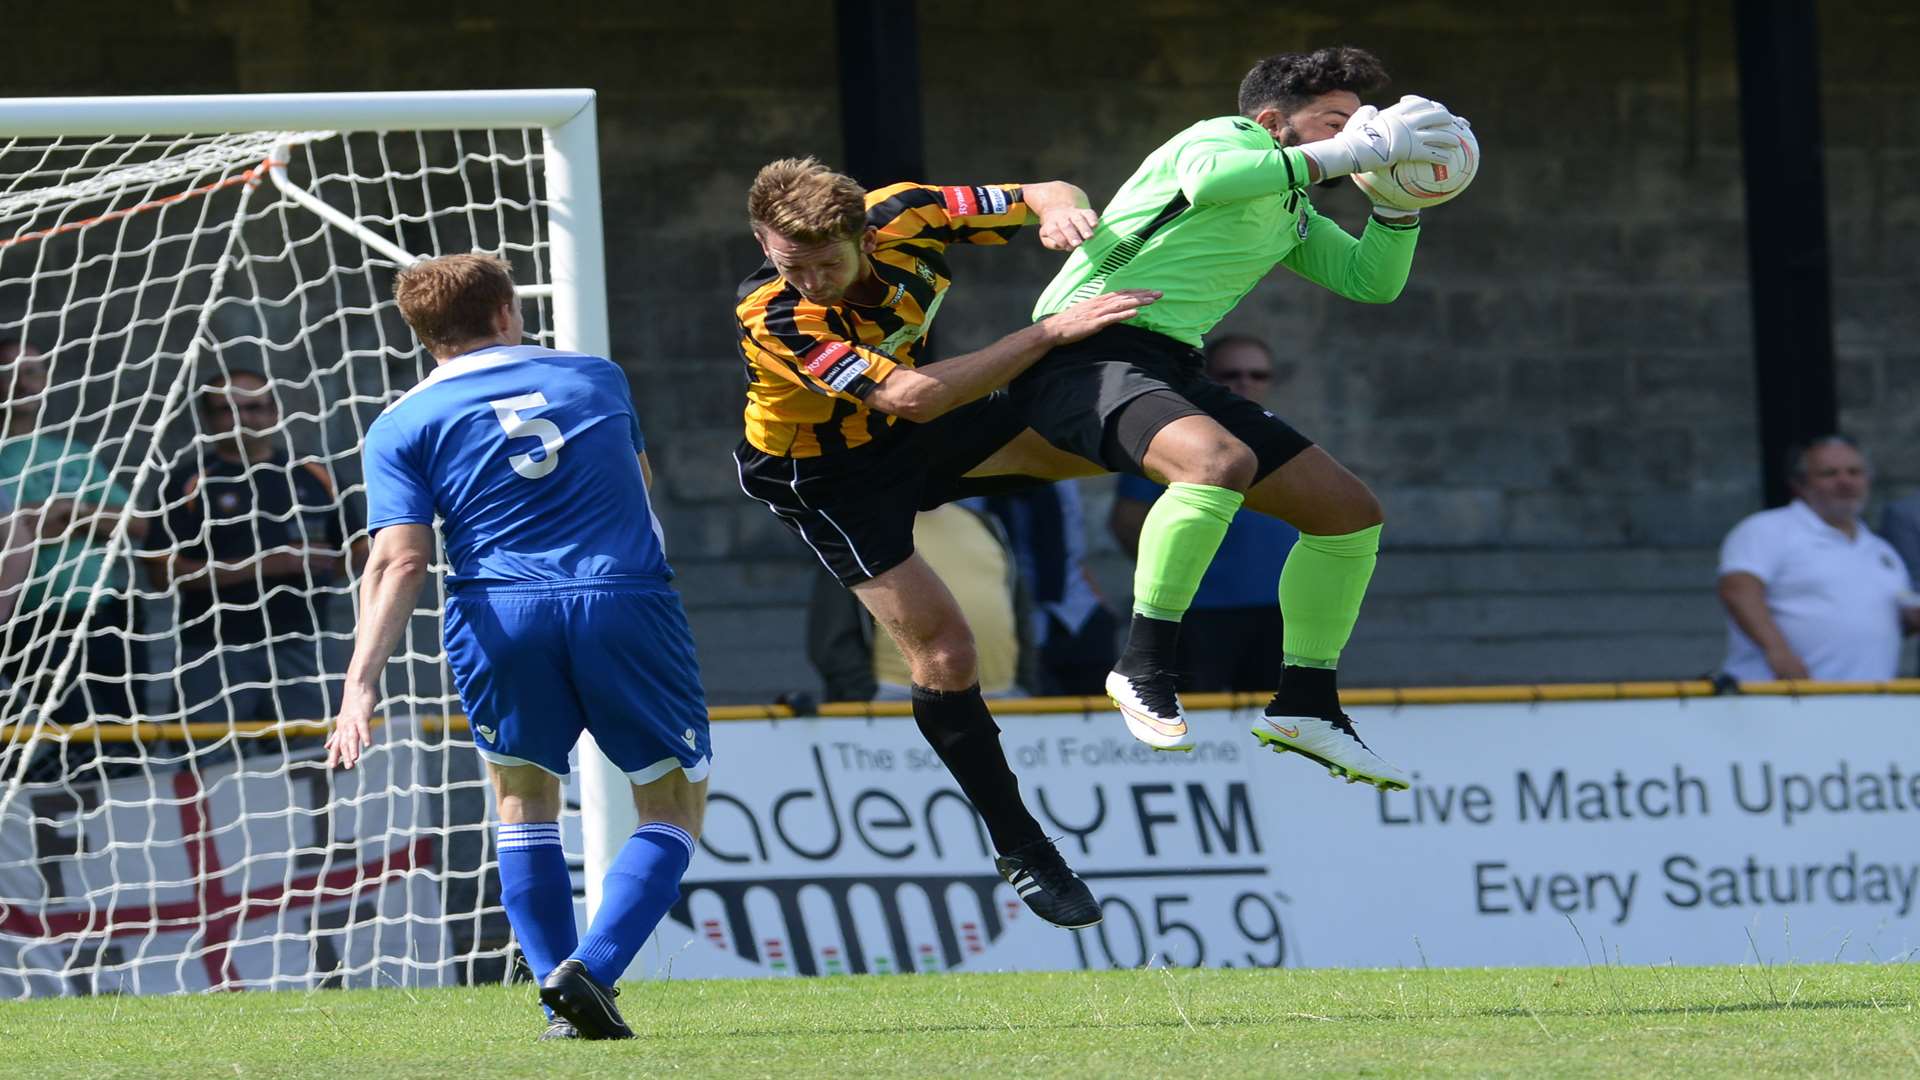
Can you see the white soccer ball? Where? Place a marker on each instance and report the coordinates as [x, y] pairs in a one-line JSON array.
[[1416, 185]]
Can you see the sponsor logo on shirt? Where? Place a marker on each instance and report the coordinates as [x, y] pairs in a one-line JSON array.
[[835, 363], [822, 357], [960, 201], [996, 199], [843, 374], [1300, 226]]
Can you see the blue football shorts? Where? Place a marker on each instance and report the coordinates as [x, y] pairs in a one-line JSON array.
[[538, 663]]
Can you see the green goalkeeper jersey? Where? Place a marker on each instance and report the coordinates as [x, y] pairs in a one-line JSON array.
[[1203, 220]]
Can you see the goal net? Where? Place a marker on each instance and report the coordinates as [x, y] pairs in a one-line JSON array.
[[196, 329]]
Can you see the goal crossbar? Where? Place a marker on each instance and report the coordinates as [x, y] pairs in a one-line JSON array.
[[417, 110]]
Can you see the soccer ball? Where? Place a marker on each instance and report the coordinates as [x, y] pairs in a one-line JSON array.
[[1416, 185]]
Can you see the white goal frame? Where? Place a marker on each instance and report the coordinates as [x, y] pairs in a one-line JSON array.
[[576, 250]]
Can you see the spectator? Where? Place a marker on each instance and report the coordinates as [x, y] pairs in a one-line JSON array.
[[1231, 637], [1073, 629], [1810, 593], [250, 540], [968, 551], [74, 592]]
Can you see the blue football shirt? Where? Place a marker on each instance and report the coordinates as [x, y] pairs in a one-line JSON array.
[[529, 458], [1245, 572]]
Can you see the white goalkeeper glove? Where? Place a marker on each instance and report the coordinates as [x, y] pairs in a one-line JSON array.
[[1412, 129], [1382, 210]]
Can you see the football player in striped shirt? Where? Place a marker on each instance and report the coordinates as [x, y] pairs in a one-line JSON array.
[[847, 436]]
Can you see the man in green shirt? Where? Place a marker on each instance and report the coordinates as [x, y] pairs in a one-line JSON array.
[[74, 505], [1203, 219]]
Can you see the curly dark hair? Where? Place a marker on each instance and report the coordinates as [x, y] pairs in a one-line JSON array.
[[1290, 80]]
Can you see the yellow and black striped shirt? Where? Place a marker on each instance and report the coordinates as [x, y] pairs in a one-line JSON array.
[[811, 366]]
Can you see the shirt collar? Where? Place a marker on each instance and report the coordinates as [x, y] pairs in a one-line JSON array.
[[1810, 519], [466, 363]]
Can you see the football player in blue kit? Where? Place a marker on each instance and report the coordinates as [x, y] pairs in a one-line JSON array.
[[559, 615]]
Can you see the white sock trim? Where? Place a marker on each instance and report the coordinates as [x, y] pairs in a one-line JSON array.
[[530, 834], [667, 830]]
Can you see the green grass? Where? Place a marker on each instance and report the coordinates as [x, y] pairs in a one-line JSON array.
[[1797, 1020]]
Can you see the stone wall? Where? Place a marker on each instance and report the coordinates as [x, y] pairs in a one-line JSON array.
[[1558, 413]]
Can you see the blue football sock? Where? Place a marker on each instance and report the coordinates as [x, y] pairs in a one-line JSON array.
[[640, 886], [537, 893]]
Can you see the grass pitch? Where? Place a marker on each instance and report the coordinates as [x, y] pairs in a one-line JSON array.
[[1796, 1020]]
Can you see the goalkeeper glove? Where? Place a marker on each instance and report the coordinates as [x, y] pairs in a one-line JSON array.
[[1385, 211], [1413, 129]]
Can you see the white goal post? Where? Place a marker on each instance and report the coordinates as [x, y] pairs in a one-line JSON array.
[[149, 243]]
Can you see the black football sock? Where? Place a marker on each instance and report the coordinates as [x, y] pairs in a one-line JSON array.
[[960, 728], [1306, 691], [1150, 646]]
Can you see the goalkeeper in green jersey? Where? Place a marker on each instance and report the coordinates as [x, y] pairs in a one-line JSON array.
[[1203, 219]]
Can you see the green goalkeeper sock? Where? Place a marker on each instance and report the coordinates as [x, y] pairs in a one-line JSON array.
[[1321, 587], [1177, 543]]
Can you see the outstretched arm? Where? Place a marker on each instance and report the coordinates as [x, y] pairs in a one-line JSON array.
[[920, 394], [1228, 164], [391, 585], [1372, 269], [1066, 217]]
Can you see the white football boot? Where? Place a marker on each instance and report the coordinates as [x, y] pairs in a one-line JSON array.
[[1331, 741], [1151, 708]]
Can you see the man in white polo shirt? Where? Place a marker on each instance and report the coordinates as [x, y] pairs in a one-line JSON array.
[[1810, 592]]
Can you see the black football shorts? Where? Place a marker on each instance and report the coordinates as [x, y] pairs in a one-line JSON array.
[[855, 507], [1106, 397]]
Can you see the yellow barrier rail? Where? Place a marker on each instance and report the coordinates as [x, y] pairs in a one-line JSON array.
[[154, 731]]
